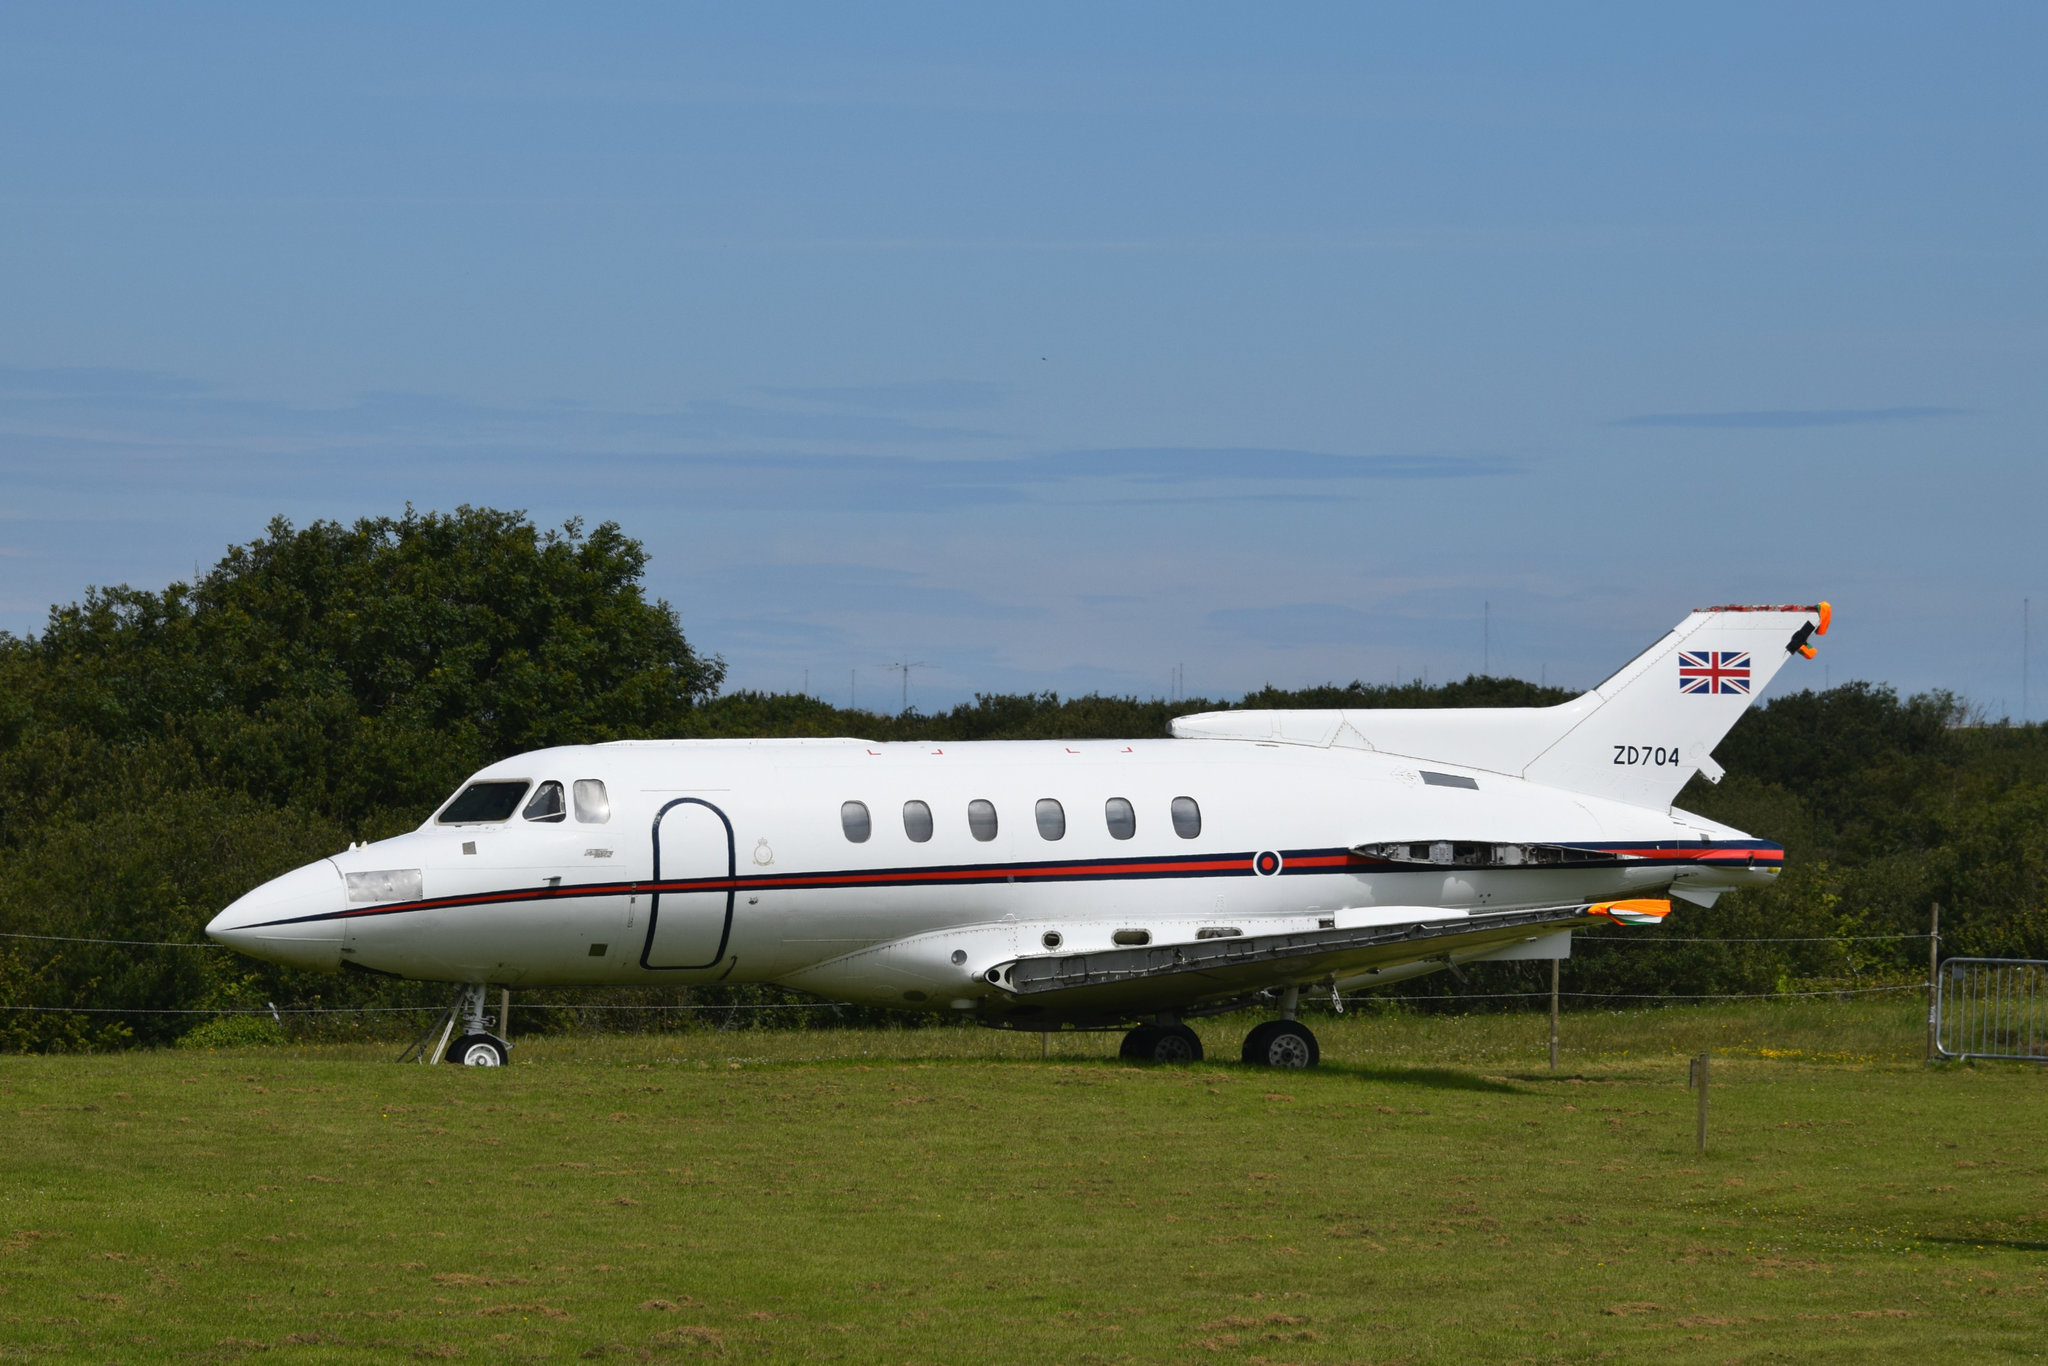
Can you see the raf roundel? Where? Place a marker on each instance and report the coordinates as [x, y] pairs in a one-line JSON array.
[[1266, 864]]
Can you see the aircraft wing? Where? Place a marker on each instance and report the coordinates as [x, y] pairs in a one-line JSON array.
[[1126, 982]]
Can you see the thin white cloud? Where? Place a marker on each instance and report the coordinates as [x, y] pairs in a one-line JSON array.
[[1787, 417]]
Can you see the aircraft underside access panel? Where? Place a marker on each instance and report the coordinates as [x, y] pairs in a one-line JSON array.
[[688, 928]]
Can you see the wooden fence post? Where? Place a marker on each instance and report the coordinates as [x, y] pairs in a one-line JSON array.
[[1553, 1014], [1934, 985], [1700, 1137]]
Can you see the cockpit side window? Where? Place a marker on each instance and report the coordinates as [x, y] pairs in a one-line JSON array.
[[481, 802], [547, 804], [593, 806]]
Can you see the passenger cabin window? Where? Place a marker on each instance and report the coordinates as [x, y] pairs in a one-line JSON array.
[[853, 819], [593, 806], [547, 804], [1052, 819], [917, 821], [981, 819], [1121, 816], [482, 802], [1187, 818]]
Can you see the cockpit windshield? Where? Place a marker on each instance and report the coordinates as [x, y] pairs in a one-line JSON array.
[[482, 802]]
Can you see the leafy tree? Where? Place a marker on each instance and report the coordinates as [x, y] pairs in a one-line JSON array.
[[361, 668], [163, 751]]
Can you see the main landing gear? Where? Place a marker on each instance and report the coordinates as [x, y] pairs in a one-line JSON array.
[[1161, 1043], [1281, 1043], [475, 1047], [1276, 1043], [1285, 1042]]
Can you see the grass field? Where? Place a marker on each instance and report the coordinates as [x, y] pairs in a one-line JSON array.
[[1432, 1194]]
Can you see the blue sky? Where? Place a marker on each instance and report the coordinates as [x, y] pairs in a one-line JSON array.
[[1060, 346]]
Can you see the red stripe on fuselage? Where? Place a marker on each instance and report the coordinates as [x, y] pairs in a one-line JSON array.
[[1303, 861]]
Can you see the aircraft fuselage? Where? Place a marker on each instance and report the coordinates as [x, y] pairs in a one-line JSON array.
[[737, 861]]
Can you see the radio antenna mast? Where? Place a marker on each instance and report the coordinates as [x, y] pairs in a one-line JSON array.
[[904, 669]]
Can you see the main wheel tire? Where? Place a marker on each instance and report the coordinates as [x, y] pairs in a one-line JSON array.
[[1177, 1044], [1282, 1043], [1137, 1045], [479, 1050], [1161, 1043]]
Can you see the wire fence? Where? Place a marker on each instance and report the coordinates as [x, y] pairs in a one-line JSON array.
[[1709, 939], [1664, 995], [131, 943], [728, 1010], [406, 1010], [847, 1005], [1582, 938]]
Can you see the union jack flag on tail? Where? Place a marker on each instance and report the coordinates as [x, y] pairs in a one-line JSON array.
[[1713, 671]]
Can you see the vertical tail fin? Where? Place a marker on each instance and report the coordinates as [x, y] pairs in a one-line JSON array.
[[1641, 734]]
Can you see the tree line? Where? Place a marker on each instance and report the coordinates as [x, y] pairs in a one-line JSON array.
[[163, 751]]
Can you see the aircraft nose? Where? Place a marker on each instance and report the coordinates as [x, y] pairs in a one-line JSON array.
[[289, 920]]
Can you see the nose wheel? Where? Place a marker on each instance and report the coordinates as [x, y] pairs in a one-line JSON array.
[[1282, 1043], [475, 1047], [479, 1050]]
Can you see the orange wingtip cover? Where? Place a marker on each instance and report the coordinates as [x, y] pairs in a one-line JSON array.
[[1827, 614], [1622, 910]]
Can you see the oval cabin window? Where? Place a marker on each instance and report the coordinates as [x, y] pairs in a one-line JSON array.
[[853, 819], [1121, 817], [1052, 819], [1187, 818], [917, 821], [981, 819]]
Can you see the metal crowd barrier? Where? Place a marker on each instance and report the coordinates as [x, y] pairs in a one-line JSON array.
[[1992, 1008]]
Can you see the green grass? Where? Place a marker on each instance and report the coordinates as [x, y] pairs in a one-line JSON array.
[[1431, 1194]]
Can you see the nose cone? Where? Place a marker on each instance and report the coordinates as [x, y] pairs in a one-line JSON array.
[[289, 920]]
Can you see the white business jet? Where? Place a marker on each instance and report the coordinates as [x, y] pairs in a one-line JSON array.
[[1043, 885]]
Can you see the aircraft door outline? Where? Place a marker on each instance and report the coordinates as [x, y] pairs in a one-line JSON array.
[[654, 892]]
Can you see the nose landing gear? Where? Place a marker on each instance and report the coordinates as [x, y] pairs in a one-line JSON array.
[[475, 1047]]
